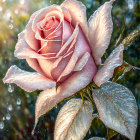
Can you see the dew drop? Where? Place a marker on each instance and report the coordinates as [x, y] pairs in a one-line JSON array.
[[11, 26], [18, 101], [16, 11], [4, 41], [8, 116], [21, 1], [1, 125], [56, 106], [3, 0], [89, 132], [10, 107], [130, 4], [3, 118], [8, 15], [1, 9], [10, 88]]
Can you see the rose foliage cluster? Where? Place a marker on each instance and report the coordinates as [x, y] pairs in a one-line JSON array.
[[65, 51]]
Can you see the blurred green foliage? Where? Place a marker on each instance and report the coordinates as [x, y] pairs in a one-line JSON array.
[[17, 106]]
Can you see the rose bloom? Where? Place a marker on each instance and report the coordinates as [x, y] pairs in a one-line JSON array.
[[64, 50]]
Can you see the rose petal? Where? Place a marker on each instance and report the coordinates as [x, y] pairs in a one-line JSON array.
[[67, 15], [59, 65], [77, 11], [22, 48], [77, 81], [100, 30], [81, 47], [82, 62], [49, 98], [106, 72], [70, 40], [29, 34], [33, 63], [29, 81], [55, 46], [43, 13]]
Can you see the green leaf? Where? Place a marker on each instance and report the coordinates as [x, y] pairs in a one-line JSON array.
[[130, 38], [110, 133], [117, 108], [73, 120], [120, 71]]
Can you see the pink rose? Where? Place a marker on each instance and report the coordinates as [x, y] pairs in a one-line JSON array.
[[64, 50]]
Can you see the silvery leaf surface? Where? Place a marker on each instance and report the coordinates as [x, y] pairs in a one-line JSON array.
[[73, 120], [117, 108]]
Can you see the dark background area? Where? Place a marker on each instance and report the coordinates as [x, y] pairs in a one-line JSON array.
[[17, 106]]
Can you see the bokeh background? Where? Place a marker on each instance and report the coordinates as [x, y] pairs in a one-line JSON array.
[[17, 106]]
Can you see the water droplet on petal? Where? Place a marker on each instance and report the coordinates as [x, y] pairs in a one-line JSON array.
[[8, 116], [10, 88], [18, 101], [1, 125], [10, 107]]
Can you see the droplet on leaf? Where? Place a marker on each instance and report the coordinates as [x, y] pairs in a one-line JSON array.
[[1, 125]]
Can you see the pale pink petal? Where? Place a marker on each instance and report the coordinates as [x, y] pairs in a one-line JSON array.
[[59, 65], [46, 66], [77, 81], [81, 47], [69, 41], [29, 34], [59, 17], [55, 46], [67, 15], [23, 51], [50, 98], [78, 13], [42, 15], [82, 62], [33, 63], [29, 81], [100, 30], [106, 72], [67, 31]]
